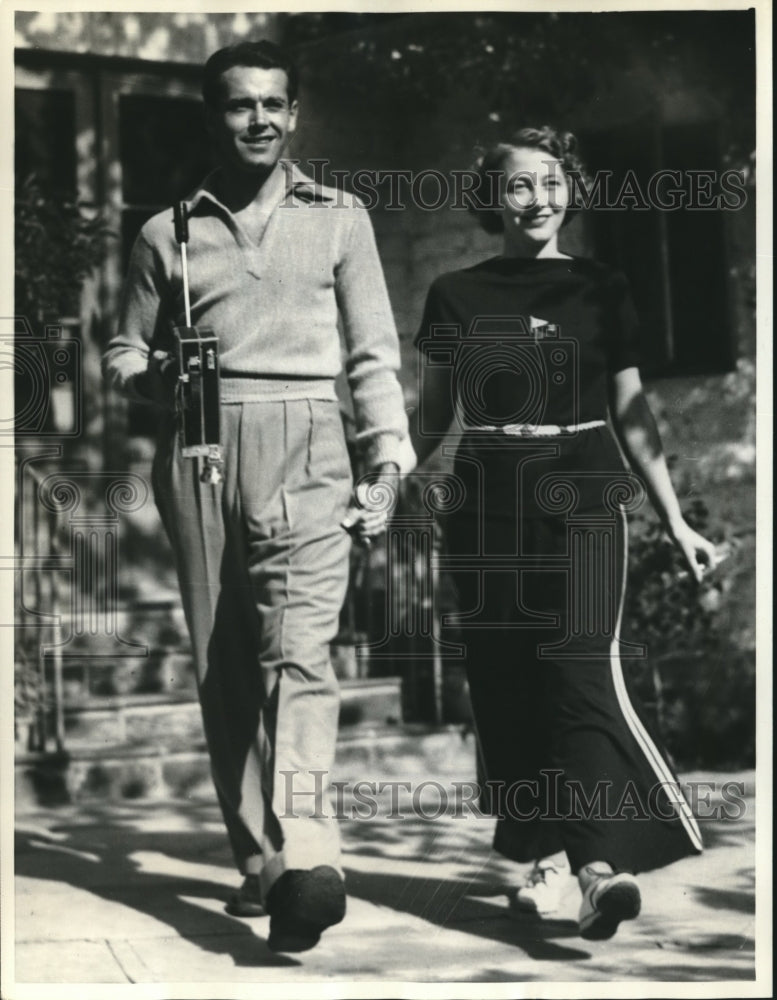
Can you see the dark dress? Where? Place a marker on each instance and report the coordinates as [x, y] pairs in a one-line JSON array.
[[537, 545]]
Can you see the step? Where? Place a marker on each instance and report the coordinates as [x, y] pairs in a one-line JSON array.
[[152, 623], [115, 773], [158, 659], [168, 721], [173, 720], [166, 667]]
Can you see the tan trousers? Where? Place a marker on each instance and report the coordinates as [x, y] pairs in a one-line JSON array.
[[263, 564]]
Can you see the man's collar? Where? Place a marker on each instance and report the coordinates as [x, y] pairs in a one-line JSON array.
[[298, 185]]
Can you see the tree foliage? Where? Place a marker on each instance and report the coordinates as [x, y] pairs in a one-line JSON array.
[[530, 65], [58, 244]]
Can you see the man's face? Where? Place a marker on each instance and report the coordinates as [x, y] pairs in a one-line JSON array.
[[253, 119]]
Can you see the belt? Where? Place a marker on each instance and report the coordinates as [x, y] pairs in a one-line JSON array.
[[539, 430], [249, 389]]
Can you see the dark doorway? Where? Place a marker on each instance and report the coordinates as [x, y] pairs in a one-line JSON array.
[[675, 258]]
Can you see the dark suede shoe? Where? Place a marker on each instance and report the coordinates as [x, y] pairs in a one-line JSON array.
[[301, 905], [247, 901]]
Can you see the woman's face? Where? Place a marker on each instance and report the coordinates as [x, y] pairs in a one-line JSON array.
[[535, 196]]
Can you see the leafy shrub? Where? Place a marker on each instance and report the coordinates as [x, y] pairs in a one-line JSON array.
[[696, 682], [58, 243]]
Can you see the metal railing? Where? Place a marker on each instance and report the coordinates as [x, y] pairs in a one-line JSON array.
[[38, 633], [391, 615]]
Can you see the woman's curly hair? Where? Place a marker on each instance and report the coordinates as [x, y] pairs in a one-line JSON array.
[[485, 203]]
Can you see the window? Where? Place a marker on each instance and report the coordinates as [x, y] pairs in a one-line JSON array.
[[676, 261], [696, 242], [45, 138], [163, 150]]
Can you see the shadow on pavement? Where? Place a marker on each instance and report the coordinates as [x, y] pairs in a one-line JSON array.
[[740, 901], [443, 874], [97, 856], [464, 906]]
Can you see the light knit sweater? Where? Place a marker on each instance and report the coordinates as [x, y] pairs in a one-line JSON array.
[[273, 305]]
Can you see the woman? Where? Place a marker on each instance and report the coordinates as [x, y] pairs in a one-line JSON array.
[[531, 349]]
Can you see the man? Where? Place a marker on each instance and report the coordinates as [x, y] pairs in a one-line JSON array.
[[262, 558]]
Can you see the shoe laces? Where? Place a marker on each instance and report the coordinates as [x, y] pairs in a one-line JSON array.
[[538, 874]]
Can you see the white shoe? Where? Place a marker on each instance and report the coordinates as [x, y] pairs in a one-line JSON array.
[[607, 901], [541, 892]]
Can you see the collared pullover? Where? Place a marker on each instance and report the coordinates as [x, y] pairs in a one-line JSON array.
[[273, 302]]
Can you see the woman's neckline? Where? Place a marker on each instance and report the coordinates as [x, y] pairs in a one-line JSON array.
[[509, 258]]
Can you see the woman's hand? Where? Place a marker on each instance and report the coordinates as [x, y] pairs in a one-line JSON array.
[[636, 429], [700, 555]]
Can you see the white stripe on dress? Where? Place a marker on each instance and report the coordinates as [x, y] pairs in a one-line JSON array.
[[638, 731]]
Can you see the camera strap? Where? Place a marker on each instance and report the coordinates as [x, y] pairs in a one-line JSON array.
[[198, 389]]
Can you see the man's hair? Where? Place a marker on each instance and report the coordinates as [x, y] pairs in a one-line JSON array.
[[561, 146], [262, 54]]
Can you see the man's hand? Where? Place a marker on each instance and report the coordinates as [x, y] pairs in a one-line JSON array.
[[157, 382], [372, 504]]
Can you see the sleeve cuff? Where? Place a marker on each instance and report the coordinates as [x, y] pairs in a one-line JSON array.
[[391, 448]]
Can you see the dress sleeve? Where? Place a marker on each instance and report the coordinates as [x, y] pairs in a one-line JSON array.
[[623, 336], [438, 323]]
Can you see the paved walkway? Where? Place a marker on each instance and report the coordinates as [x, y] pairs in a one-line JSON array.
[[135, 893]]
